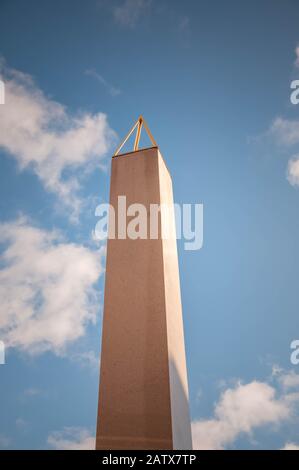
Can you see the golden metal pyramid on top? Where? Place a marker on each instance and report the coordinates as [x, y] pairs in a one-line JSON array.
[[138, 126]]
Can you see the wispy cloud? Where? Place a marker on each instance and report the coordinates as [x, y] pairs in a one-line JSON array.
[[286, 134], [47, 288], [184, 24], [240, 410], [22, 425], [130, 11], [72, 438], [87, 359], [43, 136], [113, 91], [285, 131], [290, 446], [289, 380], [296, 63], [31, 392], [4, 441], [293, 171]]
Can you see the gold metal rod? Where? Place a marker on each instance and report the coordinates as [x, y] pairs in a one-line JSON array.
[[127, 137], [138, 133], [149, 133]]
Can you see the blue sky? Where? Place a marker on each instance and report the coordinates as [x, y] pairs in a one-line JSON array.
[[213, 81]]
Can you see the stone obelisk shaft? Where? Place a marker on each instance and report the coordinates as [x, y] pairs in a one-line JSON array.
[[143, 395]]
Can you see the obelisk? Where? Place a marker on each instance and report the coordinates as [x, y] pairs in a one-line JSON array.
[[143, 392]]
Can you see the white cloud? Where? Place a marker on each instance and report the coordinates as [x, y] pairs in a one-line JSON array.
[[47, 288], [293, 171], [42, 135], [72, 438], [290, 446], [285, 131], [240, 410], [130, 11], [289, 380]]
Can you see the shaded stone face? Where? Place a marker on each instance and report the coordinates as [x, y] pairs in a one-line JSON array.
[[143, 396]]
